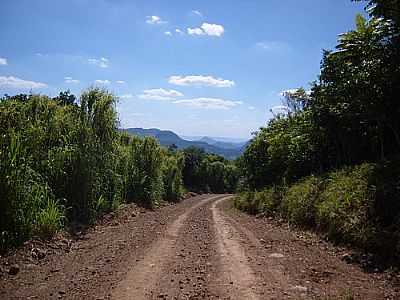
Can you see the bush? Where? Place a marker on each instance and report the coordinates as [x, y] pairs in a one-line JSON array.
[[172, 177], [50, 219], [264, 202], [345, 203], [145, 183], [300, 200]]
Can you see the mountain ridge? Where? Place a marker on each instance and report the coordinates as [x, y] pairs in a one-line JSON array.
[[168, 138]]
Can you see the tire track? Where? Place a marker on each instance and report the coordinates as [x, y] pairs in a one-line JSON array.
[[141, 280], [237, 279]]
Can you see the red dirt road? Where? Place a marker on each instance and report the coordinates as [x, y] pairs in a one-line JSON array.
[[198, 249]]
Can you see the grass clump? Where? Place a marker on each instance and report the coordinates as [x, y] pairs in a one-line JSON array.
[[344, 209], [299, 201], [264, 202]]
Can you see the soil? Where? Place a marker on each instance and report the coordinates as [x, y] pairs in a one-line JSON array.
[[201, 248]]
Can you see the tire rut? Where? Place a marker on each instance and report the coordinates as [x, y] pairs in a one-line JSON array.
[[142, 280], [237, 280]]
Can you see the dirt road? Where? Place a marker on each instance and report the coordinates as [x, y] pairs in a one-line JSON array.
[[198, 249]]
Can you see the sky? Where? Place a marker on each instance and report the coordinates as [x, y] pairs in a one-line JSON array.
[[199, 68]]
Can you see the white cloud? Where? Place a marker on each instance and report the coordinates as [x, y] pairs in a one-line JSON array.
[[197, 12], [213, 29], [100, 81], [273, 46], [126, 96], [154, 20], [101, 62], [195, 31], [251, 108], [168, 33], [207, 29], [18, 83], [160, 94], [120, 82], [177, 30], [3, 61], [71, 80], [209, 103], [199, 80]]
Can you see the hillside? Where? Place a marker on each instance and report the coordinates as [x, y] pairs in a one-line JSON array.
[[167, 138]]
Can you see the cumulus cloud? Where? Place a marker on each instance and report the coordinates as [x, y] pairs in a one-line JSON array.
[[154, 20], [18, 83], [177, 30], [120, 81], [195, 31], [160, 94], [209, 103], [168, 33], [213, 29], [207, 29], [102, 62], [199, 80], [3, 61], [197, 12], [100, 81], [71, 80]]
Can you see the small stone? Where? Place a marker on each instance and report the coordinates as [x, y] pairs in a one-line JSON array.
[[347, 258], [14, 270], [38, 253], [276, 255], [55, 270], [300, 288]]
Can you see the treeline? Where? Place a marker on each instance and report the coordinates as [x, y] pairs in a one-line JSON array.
[[64, 161], [209, 172], [332, 161]]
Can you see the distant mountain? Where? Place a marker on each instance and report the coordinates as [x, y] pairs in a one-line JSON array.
[[167, 138], [208, 140], [220, 144], [218, 139]]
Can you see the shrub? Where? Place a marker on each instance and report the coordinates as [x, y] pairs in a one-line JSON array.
[[145, 183], [345, 203], [172, 176], [49, 219], [300, 200], [264, 202]]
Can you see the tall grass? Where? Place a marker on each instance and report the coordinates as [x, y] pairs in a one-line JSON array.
[[62, 162]]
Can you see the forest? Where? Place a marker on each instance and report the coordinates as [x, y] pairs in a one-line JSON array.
[[64, 161], [331, 161]]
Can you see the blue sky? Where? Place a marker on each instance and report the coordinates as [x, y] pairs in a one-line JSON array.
[[196, 67]]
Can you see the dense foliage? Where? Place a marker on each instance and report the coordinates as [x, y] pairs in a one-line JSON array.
[[208, 172], [330, 161], [64, 162]]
